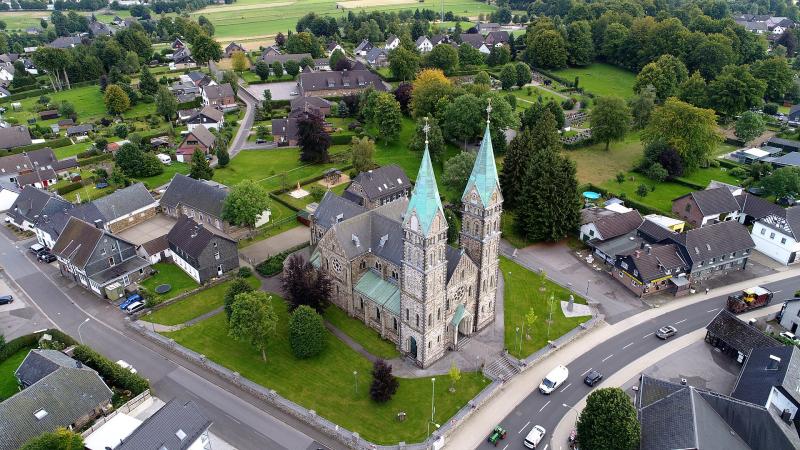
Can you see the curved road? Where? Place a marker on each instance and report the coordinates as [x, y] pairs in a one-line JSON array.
[[608, 357]]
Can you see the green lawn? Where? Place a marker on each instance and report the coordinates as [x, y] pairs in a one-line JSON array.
[[72, 150], [172, 275], [8, 382], [166, 176], [661, 198], [525, 290], [195, 305], [87, 194], [279, 211], [88, 102], [535, 95], [368, 338], [601, 79], [704, 176], [326, 382]]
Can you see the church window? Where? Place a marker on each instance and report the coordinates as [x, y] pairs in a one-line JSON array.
[[447, 304], [429, 345], [462, 274], [417, 320], [394, 323], [407, 312], [438, 338], [363, 264], [377, 314], [430, 319], [362, 302], [439, 314], [469, 291]]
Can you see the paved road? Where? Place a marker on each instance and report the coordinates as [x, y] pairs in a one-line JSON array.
[[608, 357], [240, 140], [241, 420]]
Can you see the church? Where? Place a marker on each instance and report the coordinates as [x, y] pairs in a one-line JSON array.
[[391, 266]]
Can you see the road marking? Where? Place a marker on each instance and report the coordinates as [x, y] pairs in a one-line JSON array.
[[606, 358], [545, 446], [627, 346], [523, 428], [680, 321], [584, 373], [231, 417], [565, 387], [647, 335], [712, 310], [540, 409], [504, 448]]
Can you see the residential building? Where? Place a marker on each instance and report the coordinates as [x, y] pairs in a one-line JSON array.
[[674, 225], [338, 83], [233, 47], [182, 59], [754, 154], [377, 57], [437, 39], [178, 425], [96, 259], [98, 29], [392, 42], [41, 177], [155, 250], [485, 28], [126, 207], [12, 166], [777, 235], [80, 130], [209, 117], [313, 105], [48, 114], [771, 378], [31, 205], [735, 337], [200, 252], [50, 226], [219, 96], [9, 192], [198, 79], [715, 249], [14, 136], [652, 269], [65, 42], [177, 44], [271, 50], [791, 159], [377, 187], [423, 44], [285, 131], [708, 206], [320, 64], [269, 56], [496, 38], [196, 199], [786, 145], [332, 47], [604, 224], [197, 139], [789, 317], [363, 47]]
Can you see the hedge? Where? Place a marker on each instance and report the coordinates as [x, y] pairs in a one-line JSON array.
[[342, 139], [32, 341], [641, 207], [69, 188], [110, 371], [728, 163], [25, 94], [274, 264], [95, 159], [555, 77], [192, 104], [55, 143]]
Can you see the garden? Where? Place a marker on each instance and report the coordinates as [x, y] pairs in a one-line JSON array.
[[195, 305], [171, 274], [601, 79]]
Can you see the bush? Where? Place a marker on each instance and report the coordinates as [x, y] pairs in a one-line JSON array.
[[656, 172], [88, 153], [31, 341], [771, 109], [245, 272], [568, 104], [306, 333], [737, 172], [69, 188], [273, 265], [112, 373], [642, 190]]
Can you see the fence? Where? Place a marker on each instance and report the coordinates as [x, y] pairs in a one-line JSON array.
[[125, 409]]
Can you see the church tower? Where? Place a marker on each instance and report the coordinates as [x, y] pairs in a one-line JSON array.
[[424, 269], [480, 227]]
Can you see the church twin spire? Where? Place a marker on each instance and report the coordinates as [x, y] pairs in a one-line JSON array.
[[484, 173]]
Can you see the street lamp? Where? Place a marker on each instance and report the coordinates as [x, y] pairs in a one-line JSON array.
[[355, 378], [79, 329], [433, 392], [576, 412], [516, 340], [434, 424]]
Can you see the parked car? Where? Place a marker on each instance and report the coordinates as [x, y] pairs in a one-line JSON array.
[[134, 307], [102, 184], [534, 437], [6, 299], [126, 366], [261, 141], [130, 299], [593, 377], [789, 335], [47, 257], [554, 379], [37, 249], [293, 93], [666, 332]]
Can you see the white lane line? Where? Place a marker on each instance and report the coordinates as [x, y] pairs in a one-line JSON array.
[[647, 335], [231, 417], [504, 448], [606, 358], [545, 447], [565, 387], [712, 310], [680, 321], [589, 370], [627, 346], [540, 409], [523, 428]]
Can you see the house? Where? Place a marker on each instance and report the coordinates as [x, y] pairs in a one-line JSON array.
[[126, 207], [669, 223], [98, 29], [268, 56], [65, 123], [271, 50], [197, 139], [200, 252], [786, 145], [338, 83], [777, 235], [320, 64], [735, 337], [96, 259], [496, 38], [392, 42], [314, 105], [285, 131], [50, 226], [198, 79], [332, 47], [476, 41], [182, 59], [65, 42], [789, 317], [485, 28], [33, 204], [64, 167], [791, 159], [12, 166], [9, 192], [48, 114], [14, 136], [4, 92], [80, 130], [751, 155], [220, 96], [680, 416], [753, 207], [437, 39], [178, 425], [155, 250], [177, 44], [185, 88], [233, 47], [715, 249], [195, 199], [794, 113], [377, 57], [607, 226], [40, 177], [708, 206], [33, 31], [209, 117], [423, 44], [378, 187], [65, 393], [651, 269], [770, 378], [362, 48]]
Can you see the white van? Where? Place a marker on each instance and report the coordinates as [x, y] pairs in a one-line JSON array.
[[134, 307], [165, 159], [534, 437], [554, 379]]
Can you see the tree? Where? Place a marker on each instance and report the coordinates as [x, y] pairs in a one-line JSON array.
[[508, 76], [277, 69], [482, 78], [610, 119], [657, 172], [136, 163], [782, 182], [303, 42], [523, 74], [313, 140], [608, 422], [307, 333], [428, 88], [166, 104], [642, 190], [116, 100], [245, 203], [455, 376], [262, 70], [521, 152], [641, 106], [387, 117], [580, 43], [691, 131], [335, 57], [435, 138], [205, 49], [749, 126], [457, 170], [403, 96], [60, 439], [533, 114], [384, 384], [266, 103], [147, 82], [665, 74], [304, 284], [280, 39], [223, 158], [292, 68], [443, 57], [253, 320], [498, 56], [735, 90], [469, 56], [694, 91], [462, 119], [546, 49], [237, 286], [200, 170], [530, 321], [777, 75], [453, 227], [239, 61], [362, 150]]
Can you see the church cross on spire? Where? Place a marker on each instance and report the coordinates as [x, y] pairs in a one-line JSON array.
[[426, 128], [488, 112]]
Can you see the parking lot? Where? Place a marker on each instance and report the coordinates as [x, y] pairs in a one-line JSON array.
[[147, 231], [280, 91]]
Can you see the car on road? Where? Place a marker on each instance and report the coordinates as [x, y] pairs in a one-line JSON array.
[[293, 93], [134, 307], [47, 257], [534, 436], [554, 379], [37, 249], [6, 299], [592, 378], [261, 141], [131, 298], [666, 332], [126, 366], [497, 434]]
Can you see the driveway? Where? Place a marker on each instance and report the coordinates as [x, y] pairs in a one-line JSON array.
[[147, 231], [281, 90], [262, 250]]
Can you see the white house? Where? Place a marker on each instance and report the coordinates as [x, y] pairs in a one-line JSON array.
[[209, 117], [778, 30], [778, 235], [8, 195], [392, 42], [6, 73], [790, 315], [424, 44], [332, 47]]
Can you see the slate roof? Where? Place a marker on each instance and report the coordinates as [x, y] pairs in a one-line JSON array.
[[439, 39], [156, 245], [375, 53], [208, 111], [425, 200], [55, 223], [182, 56], [364, 46], [160, 431], [757, 207], [497, 36], [757, 377], [233, 47], [390, 39], [191, 237], [383, 181], [65, 42], [270, 57], [64, 164], [21, 162], [473, 39], [379, 230], [217, 91], [453, 256], [658, 262], [350, 79], [204, 136], [783, 143], [124, 201], [789, 159], [285, 127], [716, 240], [654, 232], [484, 173], [17, 136], [33, 203], [421, 40], [195, 194], [312, 103], [713, 201], [737, 333], [77, 242], [610, 227], [78, 129], [31, 178], [42, 362], [114, 272], [65, 394], [333, 209]]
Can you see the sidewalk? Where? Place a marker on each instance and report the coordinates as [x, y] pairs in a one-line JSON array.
[[525, 383]]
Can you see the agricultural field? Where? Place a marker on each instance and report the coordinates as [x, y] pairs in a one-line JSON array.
[[20, 20], [601, 79]]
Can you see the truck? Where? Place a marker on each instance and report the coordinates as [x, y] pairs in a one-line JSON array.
[[749, 299]]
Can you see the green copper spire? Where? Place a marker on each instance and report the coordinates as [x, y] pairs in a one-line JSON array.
[[425, 201], [484, 173]]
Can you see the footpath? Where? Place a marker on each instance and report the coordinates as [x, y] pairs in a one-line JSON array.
[[519, 387]]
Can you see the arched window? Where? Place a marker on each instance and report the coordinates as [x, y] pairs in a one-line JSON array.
[[439, 314], [417, 320], [394, 323], [407, 312], [430, 319], [378, 313]]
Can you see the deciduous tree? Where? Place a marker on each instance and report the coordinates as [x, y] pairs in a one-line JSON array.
[[304, 284], [245, 203], [166, 104], [749, 126], [462, 119], [387, 116], [735, 90], [428, 88], [443, 57], [546, 49], [60, 439], [666, 74], [147, 82], [205, 49], [292, 68], [262, 70], [239, 61], [253, 320], [579, 43], [237, 286], [641, 106], [608, 422], [362, 150], [691, 131], [457, 170], [277, 69], [223, 158], [610, 119], [694, 91], [435, 138], [782, 182], [313, 140], [777, 75], [508, 76], [307, 334], [523, 74], [116, 100]]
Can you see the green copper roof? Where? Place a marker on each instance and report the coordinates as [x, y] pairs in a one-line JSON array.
[[457, 316], [425, 201], [484, 173], [379, 291]]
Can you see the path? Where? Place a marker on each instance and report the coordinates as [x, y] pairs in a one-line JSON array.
[[261, 250], [246, 125], [159, 328]]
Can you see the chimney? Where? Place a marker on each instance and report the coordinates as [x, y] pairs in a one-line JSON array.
[[98, 223], [786, 415], [641, 246], [649, 248], [637, 253]]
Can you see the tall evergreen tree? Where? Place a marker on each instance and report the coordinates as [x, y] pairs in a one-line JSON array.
[[201, 170], [147, 83], [384, 384], [520, 153]]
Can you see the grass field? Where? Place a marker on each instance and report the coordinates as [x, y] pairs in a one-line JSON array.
[[195, 305], [166, 176], [601, 79], [8, 382], [19, 20], [172, 275], [536, 94], [72, 150], [596, 165], [326, 383], [525, 290], [368, 338]]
